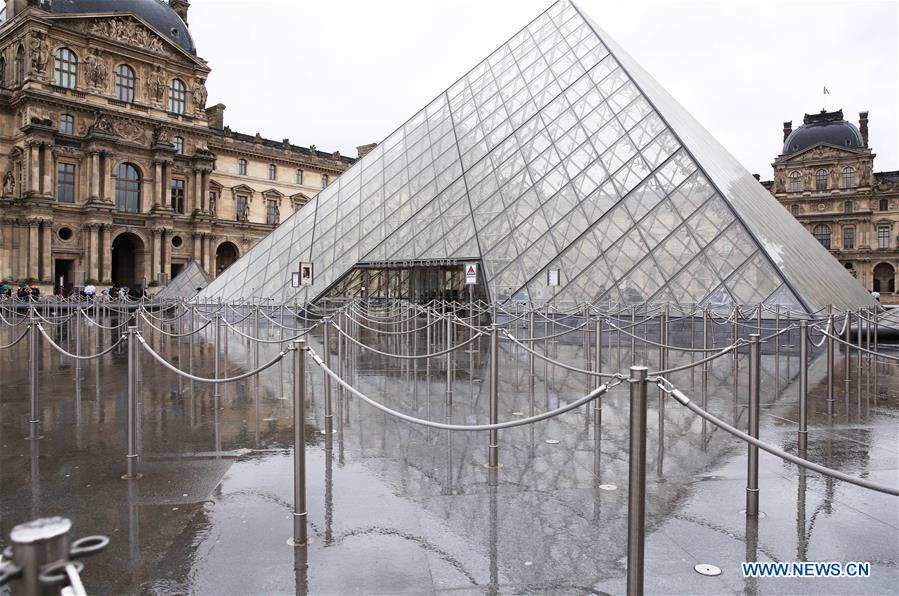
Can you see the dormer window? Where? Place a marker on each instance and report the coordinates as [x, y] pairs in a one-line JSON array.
[[848, 177]]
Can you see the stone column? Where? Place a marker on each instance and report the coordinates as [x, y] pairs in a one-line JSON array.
[[166, 265], [47, 177], [106, 265], [47, 251], [6, 248], [94, 174], [194, 200], [209, 260], [33, 168], [33, 248], [105, 184], [157, 253], [164, 191], [22, 250], [198, 249], [204, 190], [157, 183]]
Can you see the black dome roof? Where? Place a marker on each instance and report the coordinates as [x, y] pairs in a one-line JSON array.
[[826, 127], [157, 13]]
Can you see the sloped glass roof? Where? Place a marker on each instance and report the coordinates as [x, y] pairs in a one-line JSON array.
[[556, 152], [186, 284]]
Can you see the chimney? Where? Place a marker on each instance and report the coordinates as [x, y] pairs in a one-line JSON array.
[[788, 128], [758, 177], [14, 7], [216, 116], [180, 7], [363, 150], [863, 126]]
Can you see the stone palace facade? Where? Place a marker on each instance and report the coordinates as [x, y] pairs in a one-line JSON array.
[[825, 178], [114, 169]]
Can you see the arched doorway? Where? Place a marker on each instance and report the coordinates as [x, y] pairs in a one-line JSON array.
[[884, 278], [225, 254], [127, 260]]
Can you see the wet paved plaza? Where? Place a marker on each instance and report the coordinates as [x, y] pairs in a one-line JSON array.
[[399, 508]]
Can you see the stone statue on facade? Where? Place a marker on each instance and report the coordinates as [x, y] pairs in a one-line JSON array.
[[162, 136], [200, 93], [9, 184], [245, 214], [96, 70], [156, 85], [212, 205], [40, 53], [103, 124]]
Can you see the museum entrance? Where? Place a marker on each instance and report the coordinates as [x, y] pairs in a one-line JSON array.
[[420, 282], [127, 260]]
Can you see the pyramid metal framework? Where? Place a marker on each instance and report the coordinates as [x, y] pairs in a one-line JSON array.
[[558, 151], [186, 284]]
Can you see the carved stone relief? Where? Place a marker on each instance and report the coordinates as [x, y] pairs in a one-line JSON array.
[[127, 31], [96, 70]]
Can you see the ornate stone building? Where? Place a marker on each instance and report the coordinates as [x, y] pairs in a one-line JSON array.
[[825, 178], [114, 169]]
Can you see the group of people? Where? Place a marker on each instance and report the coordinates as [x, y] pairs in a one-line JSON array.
[[26, 291], [23, 292]]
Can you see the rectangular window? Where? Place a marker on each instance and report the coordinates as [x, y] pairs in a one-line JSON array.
[[848, 237], [271, 212], [325, 181], [299, 176], [178, 195], [65, 182], [883, 237], [243, 210]]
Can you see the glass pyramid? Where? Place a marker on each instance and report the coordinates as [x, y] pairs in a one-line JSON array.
[[186, 284], [556, 152]]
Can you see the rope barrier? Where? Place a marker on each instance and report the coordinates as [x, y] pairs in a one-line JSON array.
[[186, 334], [687, 403], [599, 391], [186, 375], [21, 337], [405, 356], [76, 356]]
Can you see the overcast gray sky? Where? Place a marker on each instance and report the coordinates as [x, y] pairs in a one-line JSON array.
[[344, 73]]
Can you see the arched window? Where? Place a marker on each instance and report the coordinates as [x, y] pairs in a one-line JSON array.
[[272, 171], [124, 83], [822, 235], [242, 167], [65, 68], [2, 72], [883, 205], [795, 181], [848, 177], [20, 65], [299, 177], [795, 209], [67, 124], [847, 206], [178, 142], [821, 179], [127, 189], [177, 97]]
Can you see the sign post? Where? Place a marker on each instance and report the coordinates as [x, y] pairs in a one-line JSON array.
[[306, 274], [552, 277], [471, 274]]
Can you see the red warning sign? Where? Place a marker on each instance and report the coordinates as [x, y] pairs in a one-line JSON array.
[[471, 274]]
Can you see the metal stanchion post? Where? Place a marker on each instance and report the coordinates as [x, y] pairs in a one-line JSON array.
[[777, 351], [131, 456], [77, 342], [34, 422], [847, 357], [636, 497], [449, 359], [705, 365], [752, 480], [830, 371], [493, 447], [217, 338], [329, 413], [803, 385], [299, 444], [663, 363], [858, 355]]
